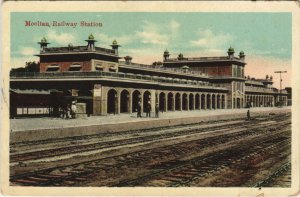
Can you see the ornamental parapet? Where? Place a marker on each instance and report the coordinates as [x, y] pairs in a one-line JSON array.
[[72, 49], [163, 69], [222, 58]]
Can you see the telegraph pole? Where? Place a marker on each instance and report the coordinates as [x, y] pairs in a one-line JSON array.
[[280, 96]]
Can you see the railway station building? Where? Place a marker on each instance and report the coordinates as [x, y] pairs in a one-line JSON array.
[[102, 82]]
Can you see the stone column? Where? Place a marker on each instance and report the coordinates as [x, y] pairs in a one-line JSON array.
[[152, 100], [118, 104], [210, 102], [205, 101], [97, 99], [173, 107], [130, 102], [181, 101], [142, 102], [216, 101], [200, 102], [194, 106], [166, 102]]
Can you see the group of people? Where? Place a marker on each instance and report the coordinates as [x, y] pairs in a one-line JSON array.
[[68, 111], [147, 110]]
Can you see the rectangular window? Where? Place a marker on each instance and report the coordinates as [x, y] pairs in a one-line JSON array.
[[52, 68], [99, 67], [112, 68], [75, 67]]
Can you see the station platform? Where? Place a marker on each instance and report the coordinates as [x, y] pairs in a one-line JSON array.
[[39, 128]]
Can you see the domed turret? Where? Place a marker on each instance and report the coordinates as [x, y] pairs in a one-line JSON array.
[[180, 56], [43, 43], [242, 55], [91, 37], [166, 54], [44, 40], [230, 52], [128, 59], [91, 42], [115, 46]]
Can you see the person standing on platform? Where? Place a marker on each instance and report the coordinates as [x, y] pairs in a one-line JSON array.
[[248, 115], [73, 110], [148, 109], [68, 111], [139, 109], [156, 110]]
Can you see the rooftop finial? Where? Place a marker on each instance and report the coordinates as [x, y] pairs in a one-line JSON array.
[[43, 43], [230, 52], [91, 37]]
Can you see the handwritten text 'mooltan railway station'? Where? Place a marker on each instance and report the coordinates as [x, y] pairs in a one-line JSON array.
[[62, 24]]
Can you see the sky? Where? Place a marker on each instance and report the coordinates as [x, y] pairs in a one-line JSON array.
[[266, 38]]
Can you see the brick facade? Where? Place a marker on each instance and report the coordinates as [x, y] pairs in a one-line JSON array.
[[65, 66]]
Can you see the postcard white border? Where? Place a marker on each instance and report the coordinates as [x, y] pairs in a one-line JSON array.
[[147, 6]]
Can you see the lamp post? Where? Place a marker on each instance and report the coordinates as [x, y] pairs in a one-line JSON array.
[[280, 96]]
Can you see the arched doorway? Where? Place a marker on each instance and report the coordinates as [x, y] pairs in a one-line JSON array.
[[202, 101], [214, 101], [197, 101], [218, 101], [223, 102], [162, 101], [136, 98], [208, 100], [170, 101], [112, 102], [238, 103], [146, 99], [191, 101], [125, 101], [184, 102], [177, 101]]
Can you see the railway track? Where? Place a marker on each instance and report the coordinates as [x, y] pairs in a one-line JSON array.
[[181, 174], [279, 178], [169, 159]]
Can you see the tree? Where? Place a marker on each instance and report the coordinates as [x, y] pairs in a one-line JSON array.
[[30, 67]]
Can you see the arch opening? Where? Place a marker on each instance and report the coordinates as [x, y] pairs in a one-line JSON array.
[[191, 102], [177, 102], [170, 101], [136, 98], [112, 102], [184, 102], [197, 101], [146, 100], [125, 101], [162, 101], [208, 101], [214, 101]]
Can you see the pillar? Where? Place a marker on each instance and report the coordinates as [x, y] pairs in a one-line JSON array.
[[118, 104], [166, 102], [210, 102], [152, 100], [194, 106], [173, 107]]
